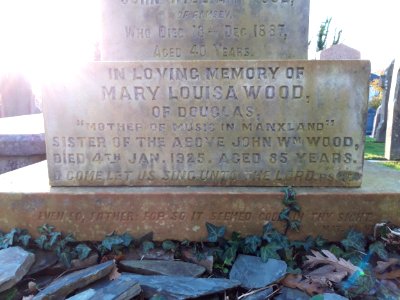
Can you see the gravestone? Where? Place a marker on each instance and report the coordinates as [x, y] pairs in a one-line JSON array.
[[236, 123], [392, 144], [370, 120], [377, 119], [340, 52], [22, 141], [16, 97], [380, 131], [198, 30], [210, 134]]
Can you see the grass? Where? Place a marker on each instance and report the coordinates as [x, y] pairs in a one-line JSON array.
[[376, 151]]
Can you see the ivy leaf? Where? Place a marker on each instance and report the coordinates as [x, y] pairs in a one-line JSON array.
[[270, 251], [69, 238], [235, 236], [169, 245], [127, 239], [307, 244], [290, 195], [294, 224], [45, 229], [229, 255], [354, 241], [24, 239], [320, 241], [337, 251], [284, 214], [7, 240], [53, 238], [214, 232], [147, 246], [83, 251], [111, 241], [65, 259], [252, 242], [40, 241], [379, 249]]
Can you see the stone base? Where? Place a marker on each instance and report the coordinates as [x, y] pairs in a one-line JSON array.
[[27, 201]]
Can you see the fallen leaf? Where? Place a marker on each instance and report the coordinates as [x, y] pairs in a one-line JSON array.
[[326, 274], [382, 266], [32, 287], [114, 274], [297, 282], [329, 258], [395, 274]]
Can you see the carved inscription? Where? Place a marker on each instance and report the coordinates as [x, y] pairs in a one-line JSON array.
[[229, 29], [243, 123]]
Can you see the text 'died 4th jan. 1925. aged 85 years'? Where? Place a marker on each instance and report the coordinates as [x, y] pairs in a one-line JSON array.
[[228, 123]]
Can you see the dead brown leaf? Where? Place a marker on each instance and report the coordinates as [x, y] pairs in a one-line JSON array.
[[114, 274], [326, 274], [329, 258], [32, 287], [297, 282], [395, 274], [382, 266]]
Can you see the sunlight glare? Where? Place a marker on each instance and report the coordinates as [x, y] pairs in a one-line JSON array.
[[42, 38]]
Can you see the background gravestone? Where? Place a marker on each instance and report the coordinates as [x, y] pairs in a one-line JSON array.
[[340, 52], [380, 131], [198, 30], [392, 144], [16, 97]]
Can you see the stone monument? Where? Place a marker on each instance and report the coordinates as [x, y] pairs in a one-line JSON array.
[[380, 129], [196, 109], [392, 144]]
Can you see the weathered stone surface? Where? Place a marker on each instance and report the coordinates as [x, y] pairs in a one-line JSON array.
[[15, 263], [332, 296], [43, 260], [178, 213], [392, 143], [340, 52], [229, 124], [162, 267], [254, 274], [205, 260], [75, 264], [193, 30], [290, 294], [261, 295], [122, 288], [177, 287], [380, 130], [10, 163], [22, 136], [65, 285]]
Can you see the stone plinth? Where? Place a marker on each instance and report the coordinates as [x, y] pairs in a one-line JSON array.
[[227, 123], [198, 30], [27, 201], [22, 141]]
